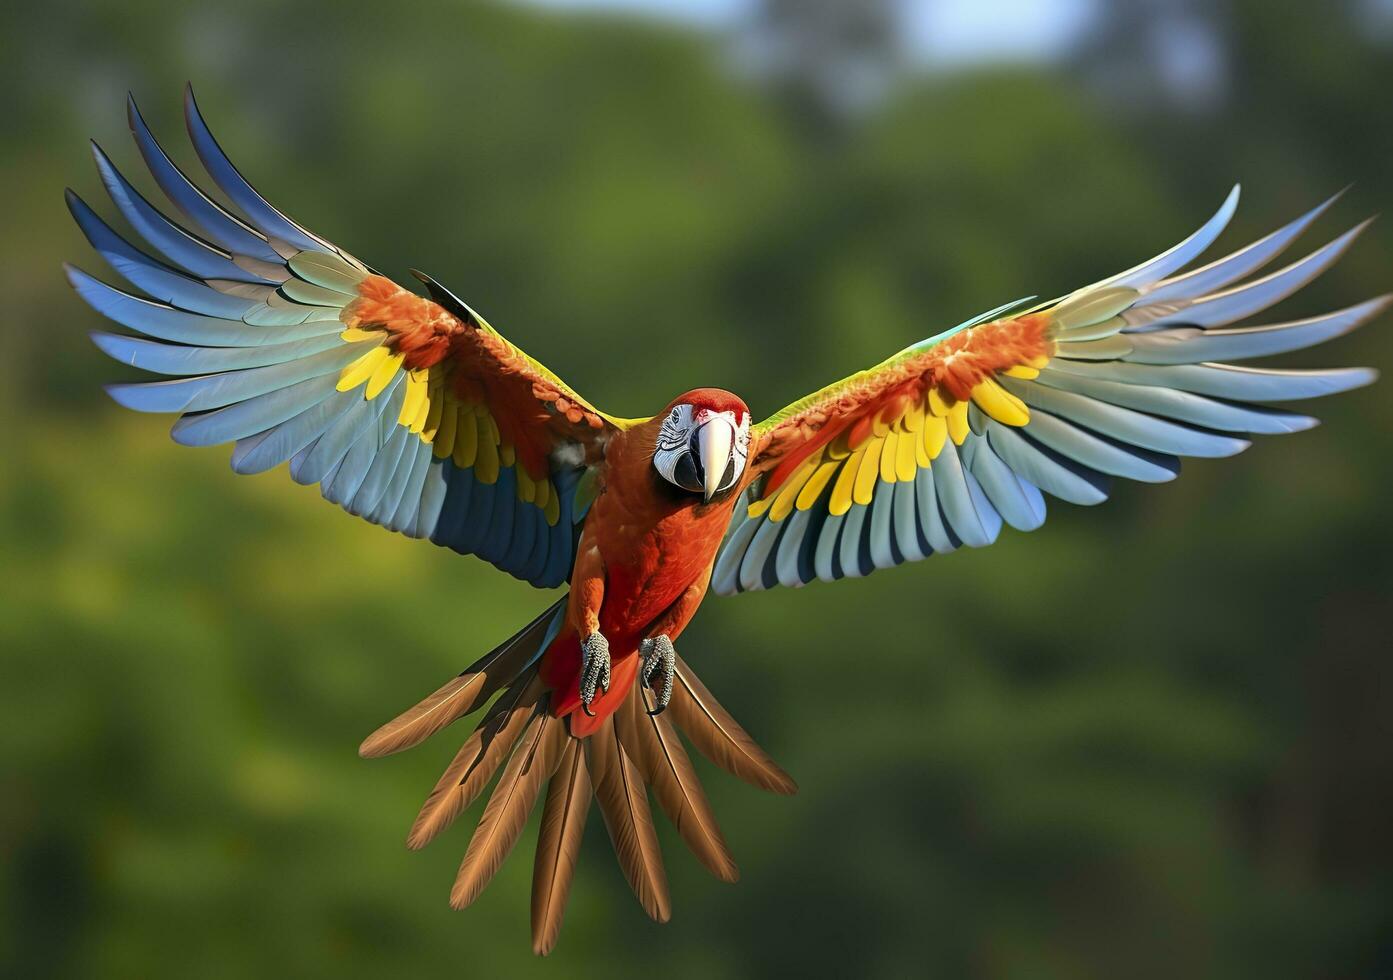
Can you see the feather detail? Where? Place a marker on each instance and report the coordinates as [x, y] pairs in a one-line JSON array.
[[475, 763], [624, 805], [533, 761], [558, 845], [720, 738], [463, 694], [657, 751]]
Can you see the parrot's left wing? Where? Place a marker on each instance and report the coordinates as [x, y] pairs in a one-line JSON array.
[[941, 444], [412, 413]]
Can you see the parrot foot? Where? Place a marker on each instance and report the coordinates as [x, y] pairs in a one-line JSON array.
[[659, 665], [594, 669]]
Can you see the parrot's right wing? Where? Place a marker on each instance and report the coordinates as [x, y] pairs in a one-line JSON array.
[[413, 413], [941, 444]]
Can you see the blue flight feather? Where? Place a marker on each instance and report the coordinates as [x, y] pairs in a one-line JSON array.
[[358, 462], [849, 549], [725, 579], [1190, 345], [297, 461], [293, 435], [211, 391], [1134, 428], [433, 494], [825, 562], [881, 532], [261, 213], [958, 502], [166, 323], [251, 416], [339, 438], [220, 226], [177, 359], [1183, 406], [536, 535], [1223, 380], [455, 509], [1016, 505], [349, 473], [150, 275], [476, 524], [1233, 267], [931, 518], [911, 543], [380, 473], [757, 555], [1047, 470], [408, 511], [562, 541], [788, 562], [1243, 301], [1099, 452], [522, 539], [180, 246], [397, 503], [1178, 256], [499, 527]]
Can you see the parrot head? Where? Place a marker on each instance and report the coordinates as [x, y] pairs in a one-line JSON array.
[[703, 442]]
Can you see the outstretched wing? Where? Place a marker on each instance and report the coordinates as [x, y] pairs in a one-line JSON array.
[[945, 442], [413, 413]]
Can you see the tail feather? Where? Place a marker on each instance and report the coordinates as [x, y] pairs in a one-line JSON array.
[[536, 757], [656, 749], [624, 804], [614, 766], [475, 763], [558, 845], [463, 694], [720, 738]]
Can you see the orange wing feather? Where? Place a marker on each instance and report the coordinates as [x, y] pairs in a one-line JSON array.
[[954, 368], [533, 409]]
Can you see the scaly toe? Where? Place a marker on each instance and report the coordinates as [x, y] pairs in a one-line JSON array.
[[659, 665], [594, 669]]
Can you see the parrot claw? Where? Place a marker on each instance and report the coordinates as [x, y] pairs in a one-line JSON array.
[[594, 669], [659, 665]]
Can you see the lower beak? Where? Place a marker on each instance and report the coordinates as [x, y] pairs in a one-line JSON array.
[[713, 447]]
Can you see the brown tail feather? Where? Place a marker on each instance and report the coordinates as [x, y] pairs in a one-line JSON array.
[[558, 845], [476, 762], [720, 738], [624, 805], [610, 768], [462, 695], [658, 753], [532, 763]]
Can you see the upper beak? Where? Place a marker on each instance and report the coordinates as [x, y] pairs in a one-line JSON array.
[[713, 447]]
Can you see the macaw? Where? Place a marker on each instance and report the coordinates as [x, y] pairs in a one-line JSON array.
[[415, 413]]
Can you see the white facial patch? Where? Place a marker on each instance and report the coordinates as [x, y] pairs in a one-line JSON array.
[[676, 456]]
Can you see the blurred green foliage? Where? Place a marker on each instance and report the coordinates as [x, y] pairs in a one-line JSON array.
[[1151, 739]]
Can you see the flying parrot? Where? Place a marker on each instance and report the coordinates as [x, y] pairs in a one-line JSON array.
[[415, 413]]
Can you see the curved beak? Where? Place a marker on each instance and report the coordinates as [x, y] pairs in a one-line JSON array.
[[714, 440]]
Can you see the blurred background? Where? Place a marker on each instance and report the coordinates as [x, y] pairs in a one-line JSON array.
[[1152, 739]]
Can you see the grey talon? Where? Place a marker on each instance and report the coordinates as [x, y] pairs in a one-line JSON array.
[[594, 669], [659, 664]]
